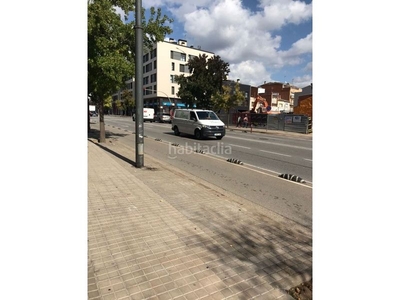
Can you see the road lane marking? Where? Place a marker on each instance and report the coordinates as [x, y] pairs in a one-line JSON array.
[[307, 159], [266, 142], [276, 153], [240, 146]]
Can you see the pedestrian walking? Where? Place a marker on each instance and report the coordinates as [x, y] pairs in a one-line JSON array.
[[245, 121], [239, 121]]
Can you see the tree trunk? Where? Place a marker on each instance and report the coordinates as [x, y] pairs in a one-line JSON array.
[[102, 138]]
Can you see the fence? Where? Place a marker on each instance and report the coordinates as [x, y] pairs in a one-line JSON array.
[[284, 122]]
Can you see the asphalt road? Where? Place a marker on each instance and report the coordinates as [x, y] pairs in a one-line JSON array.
[[264, 157], [276, 154]]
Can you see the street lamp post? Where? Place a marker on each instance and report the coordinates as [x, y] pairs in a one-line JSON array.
[[139, 129]]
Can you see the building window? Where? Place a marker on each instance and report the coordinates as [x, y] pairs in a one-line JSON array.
[[173, 66], [153, 77], [172, 78], [145, 80], [155, 65], [153, 53], [146, 58], [184, 68], [172, 90], [148, 67], [178, 56]]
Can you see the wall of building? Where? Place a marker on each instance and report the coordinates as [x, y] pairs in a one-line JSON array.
[[277, 92], [305, 91], [164, 89], [304, 106]]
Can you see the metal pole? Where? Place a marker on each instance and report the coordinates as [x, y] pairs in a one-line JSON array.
[[139, 132]]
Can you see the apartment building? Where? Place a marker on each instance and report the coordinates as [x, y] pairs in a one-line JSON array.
[[160, 66]]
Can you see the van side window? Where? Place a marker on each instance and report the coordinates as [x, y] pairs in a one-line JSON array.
[[193, 116]]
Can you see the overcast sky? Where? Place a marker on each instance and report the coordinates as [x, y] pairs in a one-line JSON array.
[[262, 40]]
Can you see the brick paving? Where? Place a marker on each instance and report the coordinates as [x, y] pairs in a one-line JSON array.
[[153, 237]]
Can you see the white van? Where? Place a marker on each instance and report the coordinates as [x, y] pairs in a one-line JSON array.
[[148, 115], [198, 122]]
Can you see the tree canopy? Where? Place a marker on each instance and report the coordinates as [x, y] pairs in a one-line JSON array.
[[129, 101], [228, 98], [205, 81], [111, 46]]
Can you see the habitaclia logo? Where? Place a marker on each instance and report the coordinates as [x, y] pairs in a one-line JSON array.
[[218, 149]]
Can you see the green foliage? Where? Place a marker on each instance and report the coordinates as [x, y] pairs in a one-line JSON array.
[[205, 82], [222, 100], [237, 98], [228, 99], [111, 44], [108, 102], [111, 47], [128, 101]]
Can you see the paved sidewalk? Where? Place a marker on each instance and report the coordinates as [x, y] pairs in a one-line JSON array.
[[159, 233]]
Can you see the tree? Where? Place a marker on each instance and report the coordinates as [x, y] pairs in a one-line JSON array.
[[111, 47], [204, 83], [119, 106], [228, 98], [107, 105], [128, 101]]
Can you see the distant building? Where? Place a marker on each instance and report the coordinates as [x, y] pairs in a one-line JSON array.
[[279, 95], [307, 90], [303, 102]]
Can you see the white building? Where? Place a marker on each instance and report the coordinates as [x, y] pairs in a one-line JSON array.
[[160, 66], [166, 60]]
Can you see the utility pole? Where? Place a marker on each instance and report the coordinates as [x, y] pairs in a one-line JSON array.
[[139, 130]]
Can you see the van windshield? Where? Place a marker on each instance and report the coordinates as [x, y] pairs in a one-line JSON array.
[[207, 115]]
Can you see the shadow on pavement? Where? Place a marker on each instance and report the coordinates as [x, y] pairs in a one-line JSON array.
[[242, 244], [95, 134]]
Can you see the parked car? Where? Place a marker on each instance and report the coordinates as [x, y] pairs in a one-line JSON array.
[[164, 118]]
